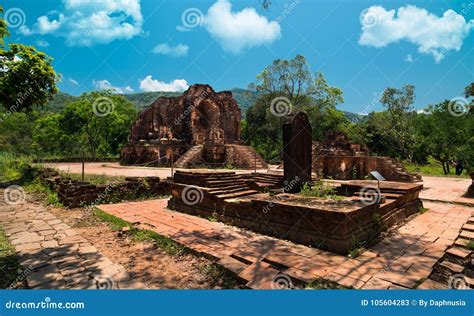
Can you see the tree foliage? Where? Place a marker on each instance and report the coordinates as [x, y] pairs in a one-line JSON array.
[[293, 81], [27, 78]]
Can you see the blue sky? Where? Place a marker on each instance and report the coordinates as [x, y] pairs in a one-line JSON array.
[[360, 46]]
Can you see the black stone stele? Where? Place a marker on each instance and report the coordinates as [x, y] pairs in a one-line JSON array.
[[297, 141]]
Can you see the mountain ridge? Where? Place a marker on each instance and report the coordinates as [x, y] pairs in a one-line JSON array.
[[141, 100]]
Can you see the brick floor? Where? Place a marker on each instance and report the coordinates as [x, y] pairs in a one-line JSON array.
[[446, 189], [398, 261], [53, 256]]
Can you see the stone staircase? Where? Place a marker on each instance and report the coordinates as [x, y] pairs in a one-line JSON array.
[[223, 185], [193, 154], [393, 170], [456, 268], [250, 155]]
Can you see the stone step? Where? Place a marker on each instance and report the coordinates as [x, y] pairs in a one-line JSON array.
[[470, 220], [236, 195], [461, 242], [458, 255], [466, 234], [225, 191], [431, 285], [450, 267], [468, 227]]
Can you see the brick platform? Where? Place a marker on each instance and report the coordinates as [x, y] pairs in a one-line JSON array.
[[398, 261]]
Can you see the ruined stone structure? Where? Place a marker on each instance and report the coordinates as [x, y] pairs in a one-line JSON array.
[[197, 128], [336, 225], [337, 158], [297, 151]]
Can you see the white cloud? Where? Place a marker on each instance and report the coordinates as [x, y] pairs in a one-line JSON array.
[[148, 84], [179, 50], [90, 22], [128, 89], [106, 85], [409, 59], [238, 31], [73, 82], [433, 35], [42, 43]]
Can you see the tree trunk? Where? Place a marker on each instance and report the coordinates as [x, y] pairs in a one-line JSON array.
[[444, 168]]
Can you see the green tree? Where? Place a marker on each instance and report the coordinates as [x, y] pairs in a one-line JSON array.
[[295, 88], [27, 78], [15, 133], [99, 122], [401, 113]]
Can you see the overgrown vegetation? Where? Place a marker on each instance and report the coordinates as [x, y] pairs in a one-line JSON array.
[[166, 244], [321, 190], [9, 264]]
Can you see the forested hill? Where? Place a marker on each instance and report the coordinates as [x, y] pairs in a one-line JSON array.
[[245, 98]]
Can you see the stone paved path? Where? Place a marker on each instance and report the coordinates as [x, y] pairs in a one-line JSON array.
[[446, 190], [53, 256], [399, 261]]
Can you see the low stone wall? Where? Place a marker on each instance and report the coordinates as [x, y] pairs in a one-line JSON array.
[[74, 193]]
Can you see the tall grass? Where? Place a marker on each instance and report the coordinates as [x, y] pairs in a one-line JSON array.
[[13, 167]]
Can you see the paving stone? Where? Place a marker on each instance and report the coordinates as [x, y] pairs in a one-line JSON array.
[[231, 264], [345, 280], [49, 244], [260, 275], [431, 285], [376, 284], [28, 247]]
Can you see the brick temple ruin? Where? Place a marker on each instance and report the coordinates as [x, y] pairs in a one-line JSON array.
[[337, 158], [199, 128]]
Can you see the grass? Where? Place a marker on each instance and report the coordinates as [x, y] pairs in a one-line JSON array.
[[432, 168], [14, 167], [50, 197], [322, 284], [470, 244], [9, 264], [97, 179], [423, 210], [321, 190], [168, 245]]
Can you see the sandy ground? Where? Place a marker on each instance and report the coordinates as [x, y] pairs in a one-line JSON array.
[[114, 169]]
